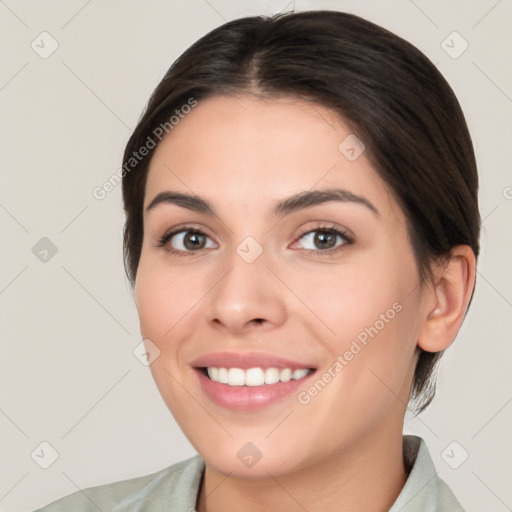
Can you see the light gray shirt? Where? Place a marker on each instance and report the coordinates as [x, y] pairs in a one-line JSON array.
[[175, 489]]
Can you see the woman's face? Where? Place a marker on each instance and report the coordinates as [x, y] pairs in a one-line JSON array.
[[267, 293]]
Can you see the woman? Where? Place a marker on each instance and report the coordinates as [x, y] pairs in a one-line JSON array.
[[301, 232]]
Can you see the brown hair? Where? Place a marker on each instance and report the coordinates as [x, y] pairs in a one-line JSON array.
[[389, 93]]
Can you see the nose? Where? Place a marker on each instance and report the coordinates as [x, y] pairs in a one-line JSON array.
[[248, 296]]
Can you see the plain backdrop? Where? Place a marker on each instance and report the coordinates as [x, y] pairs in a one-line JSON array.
[[69, 377]]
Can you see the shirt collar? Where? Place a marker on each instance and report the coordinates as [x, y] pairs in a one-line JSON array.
[[423, 490]]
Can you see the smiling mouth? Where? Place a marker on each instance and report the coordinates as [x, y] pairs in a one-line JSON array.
[[256, 376]]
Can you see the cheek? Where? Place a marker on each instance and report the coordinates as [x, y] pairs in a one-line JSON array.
[[164, 297], [371, 312], [164, 301], [353, 299]]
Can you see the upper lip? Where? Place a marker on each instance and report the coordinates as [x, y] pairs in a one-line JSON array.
[[247, 360]]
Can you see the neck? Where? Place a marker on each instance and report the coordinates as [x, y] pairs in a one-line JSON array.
[[368, 477]]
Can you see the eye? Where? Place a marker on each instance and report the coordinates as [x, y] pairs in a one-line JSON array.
[[325, 237], [184, 241]]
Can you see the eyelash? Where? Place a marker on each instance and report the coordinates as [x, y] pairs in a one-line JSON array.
[[347, 239]]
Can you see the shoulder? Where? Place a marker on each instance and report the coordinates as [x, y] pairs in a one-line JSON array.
[[446, 499], [177, 484], [424, 489]]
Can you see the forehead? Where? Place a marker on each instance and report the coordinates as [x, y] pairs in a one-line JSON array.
[[244, 149]]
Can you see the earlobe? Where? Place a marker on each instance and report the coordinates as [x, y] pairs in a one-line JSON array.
[[449, 300]]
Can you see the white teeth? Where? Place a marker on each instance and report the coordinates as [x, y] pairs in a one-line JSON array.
[[222, 376], [299, 374], [254, 376], [271, 375], [213, 373], [285, 375], [236, 377]]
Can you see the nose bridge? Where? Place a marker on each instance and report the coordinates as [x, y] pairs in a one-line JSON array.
[[248, 291]]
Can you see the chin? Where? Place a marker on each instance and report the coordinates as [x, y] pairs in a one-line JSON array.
[[241, 466]]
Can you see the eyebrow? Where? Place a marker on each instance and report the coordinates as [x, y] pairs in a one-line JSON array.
[[284, 207]]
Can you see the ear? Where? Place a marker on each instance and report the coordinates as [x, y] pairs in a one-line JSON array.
[[448, 300]]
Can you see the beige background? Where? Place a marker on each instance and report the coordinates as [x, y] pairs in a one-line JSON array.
[[69, 326]]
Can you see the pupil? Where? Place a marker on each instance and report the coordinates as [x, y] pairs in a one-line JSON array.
[[321, 238], [188, 239]]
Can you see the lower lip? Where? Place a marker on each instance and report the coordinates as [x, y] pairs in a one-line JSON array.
[[248, 398]]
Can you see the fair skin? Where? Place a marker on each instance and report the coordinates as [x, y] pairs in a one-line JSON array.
[[242, 155]]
